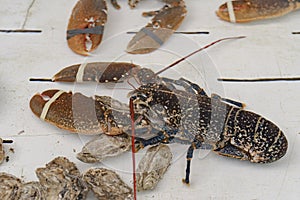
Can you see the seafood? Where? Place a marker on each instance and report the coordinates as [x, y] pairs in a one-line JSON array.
[[106, 184], [189, 117], [153, 166], [175, 111], [61, 179], [80, 114], [101, 72], [32, 191], [86, 26], [104, 146], [249, 10], [162, 26], [9, 186]]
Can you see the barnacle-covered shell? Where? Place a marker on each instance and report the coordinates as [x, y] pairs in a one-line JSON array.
[[61, 179], [153, 166], [9, 186], [104, 146], [32, 191], [2, 153], [107, 184]]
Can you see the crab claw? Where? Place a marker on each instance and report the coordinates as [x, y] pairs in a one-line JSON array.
[[86, 25], [250, 10], [72, 112], [161, 27]]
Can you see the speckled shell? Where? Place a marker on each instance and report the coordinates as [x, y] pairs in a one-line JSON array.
[[232, 131], [32, 191], [104, 146], [61, 179], [97, 71], [75, 113], [153, 166], [107, 184], [250, 10], [9, 187]]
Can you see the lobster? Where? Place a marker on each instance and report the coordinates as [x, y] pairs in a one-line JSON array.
[[250, 10], [160, 107], [86, 26]]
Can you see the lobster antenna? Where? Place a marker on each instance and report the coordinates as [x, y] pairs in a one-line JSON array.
[[202, 48]]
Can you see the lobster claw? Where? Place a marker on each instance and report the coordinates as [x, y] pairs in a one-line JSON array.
[[81, 114], [241, 11], [86, 25], [72, 112], [161, 27]]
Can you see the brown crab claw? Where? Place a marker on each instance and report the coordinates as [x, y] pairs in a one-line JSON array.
[[161, 27], [86, 26], [72, 112]]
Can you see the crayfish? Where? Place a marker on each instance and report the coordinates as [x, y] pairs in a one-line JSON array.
[[86, 26], [175, 111]]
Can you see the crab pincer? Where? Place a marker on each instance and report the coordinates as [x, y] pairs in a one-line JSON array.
[[250, 10], [86, 25], [161, 27]]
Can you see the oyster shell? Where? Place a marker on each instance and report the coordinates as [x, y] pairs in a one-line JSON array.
[[153, 166], [61, 179], [9, 187], [107, 184], [104, 146], [31, 191]]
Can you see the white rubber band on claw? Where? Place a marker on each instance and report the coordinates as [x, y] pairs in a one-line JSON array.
[[231, 12], [48, 104], [80, 72]]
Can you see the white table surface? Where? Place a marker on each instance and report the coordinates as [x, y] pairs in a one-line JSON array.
[[270, 50]]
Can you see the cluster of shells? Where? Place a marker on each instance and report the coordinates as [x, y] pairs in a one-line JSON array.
[[151, 167], [61, 179]]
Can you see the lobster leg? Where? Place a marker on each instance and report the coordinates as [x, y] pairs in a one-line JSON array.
[[195, 145], [164, 136], [250, 10], [161, 27]]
